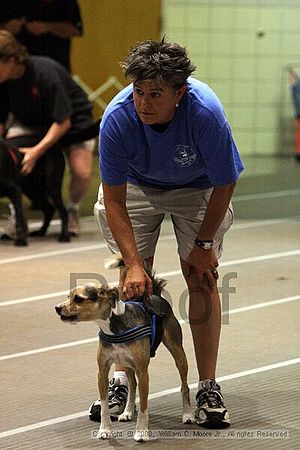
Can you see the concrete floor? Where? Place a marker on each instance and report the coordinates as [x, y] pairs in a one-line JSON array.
[[48, 368]]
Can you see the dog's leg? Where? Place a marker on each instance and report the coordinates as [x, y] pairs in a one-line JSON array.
[[172, 339], [55, 166], [21, 225], [48, 212], [105, 426], [141, 431], [130, 405]]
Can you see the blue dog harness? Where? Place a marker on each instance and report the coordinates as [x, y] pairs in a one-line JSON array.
[[134, 333]]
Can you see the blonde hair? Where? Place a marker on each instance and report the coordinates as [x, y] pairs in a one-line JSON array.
[[10, 47]]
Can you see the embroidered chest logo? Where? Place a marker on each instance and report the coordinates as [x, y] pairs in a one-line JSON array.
[[183, 155]]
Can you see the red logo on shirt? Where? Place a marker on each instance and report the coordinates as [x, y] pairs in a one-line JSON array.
[[35, 93]]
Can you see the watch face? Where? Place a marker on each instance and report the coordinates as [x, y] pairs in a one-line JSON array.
[[207, 245]]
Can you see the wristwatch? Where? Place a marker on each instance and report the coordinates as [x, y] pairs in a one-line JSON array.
[[205, 245]]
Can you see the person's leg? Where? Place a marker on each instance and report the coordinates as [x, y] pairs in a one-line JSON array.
[[80, 163], [80, 159], [205, 323], [204, 304]]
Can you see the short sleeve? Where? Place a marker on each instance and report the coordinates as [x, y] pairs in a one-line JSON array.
[[113, 157], [218, 150]]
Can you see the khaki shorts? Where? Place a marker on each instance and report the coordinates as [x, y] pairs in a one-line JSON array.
[[147, 208]]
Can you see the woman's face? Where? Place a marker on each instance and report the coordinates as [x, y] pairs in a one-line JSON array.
[[155, 103]]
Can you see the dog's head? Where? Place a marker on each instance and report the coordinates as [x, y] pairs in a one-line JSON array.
[[88, 302]]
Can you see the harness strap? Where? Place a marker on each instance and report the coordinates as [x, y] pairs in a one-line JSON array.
[[134, 333], [127, 336]]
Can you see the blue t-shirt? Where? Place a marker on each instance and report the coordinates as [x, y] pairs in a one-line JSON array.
[[196, 149]]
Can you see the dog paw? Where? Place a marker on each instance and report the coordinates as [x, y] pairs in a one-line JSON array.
[[104, 434], [141, 435], [64, 238], [37, 233], [20, 243], [188, 418], [125, 417], [5, 237]]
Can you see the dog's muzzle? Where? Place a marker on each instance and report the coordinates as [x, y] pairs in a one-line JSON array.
[[70, 318]]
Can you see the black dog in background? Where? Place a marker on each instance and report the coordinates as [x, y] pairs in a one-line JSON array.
[[43, 186]]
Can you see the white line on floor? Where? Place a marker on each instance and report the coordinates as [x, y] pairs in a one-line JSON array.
[[102, 245], [64, 251], [263, 195], [233, 262], [48, 349], [280, 301], [263, 223], [56, 420], [182, 322]]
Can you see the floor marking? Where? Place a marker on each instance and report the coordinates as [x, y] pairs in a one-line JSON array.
[[163, 275], [48, 349], [261, 258], [263, 223], [182, 322], [62, 419], [53, 253], [83, 248], [34, 298], [261, 305], [263, 195], [98, 246]]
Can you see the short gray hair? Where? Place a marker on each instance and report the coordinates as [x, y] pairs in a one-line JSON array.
[[160, 60]]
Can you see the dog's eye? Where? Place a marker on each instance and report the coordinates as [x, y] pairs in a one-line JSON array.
[[91, 293], [78, 299]]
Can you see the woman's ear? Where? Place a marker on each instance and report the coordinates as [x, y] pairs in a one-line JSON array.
[[180, 92]]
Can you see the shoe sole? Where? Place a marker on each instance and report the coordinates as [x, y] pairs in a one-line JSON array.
[[98, 419], [213, 423]]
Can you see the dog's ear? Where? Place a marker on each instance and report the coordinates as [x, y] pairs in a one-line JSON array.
[[92, 293], [113, 296]]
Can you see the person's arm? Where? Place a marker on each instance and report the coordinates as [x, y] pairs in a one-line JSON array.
[[204, 261], [32, 154], [136, 279], [14, 26], [63, 30]]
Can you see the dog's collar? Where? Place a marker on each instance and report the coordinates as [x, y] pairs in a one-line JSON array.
[[133, 334]]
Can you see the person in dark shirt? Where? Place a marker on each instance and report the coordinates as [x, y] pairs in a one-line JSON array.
[[43, 99], [45, 27]]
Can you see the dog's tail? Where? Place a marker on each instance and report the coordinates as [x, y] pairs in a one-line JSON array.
[[117, 261]]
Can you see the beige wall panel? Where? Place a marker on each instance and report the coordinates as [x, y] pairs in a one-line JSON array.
[[111, 27]]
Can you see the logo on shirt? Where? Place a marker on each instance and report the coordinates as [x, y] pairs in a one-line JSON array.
[[35, 93], [183, 155]]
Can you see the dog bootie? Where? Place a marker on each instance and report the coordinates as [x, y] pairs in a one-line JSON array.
[[117, 398], [210, 410]]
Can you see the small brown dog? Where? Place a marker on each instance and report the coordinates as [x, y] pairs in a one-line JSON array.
[[125, 328]]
